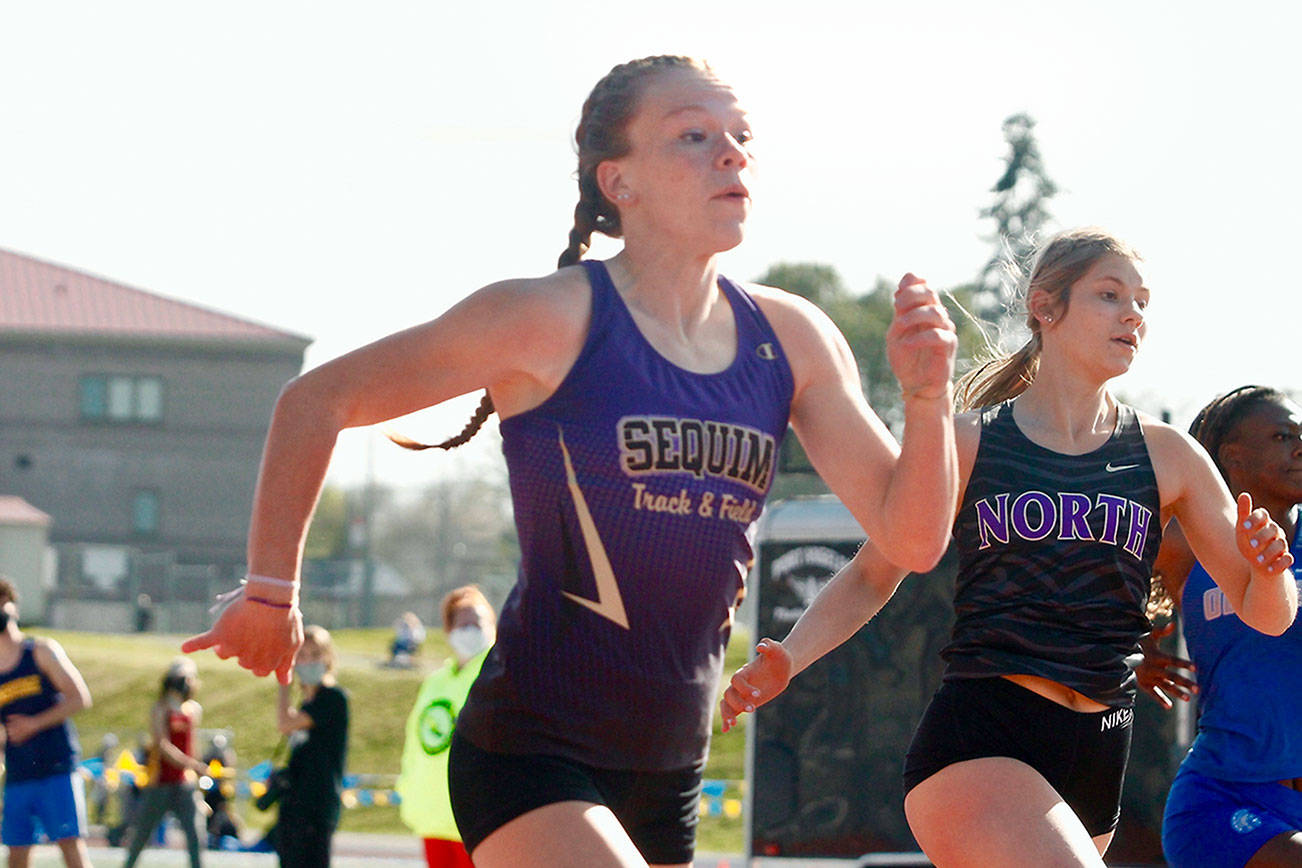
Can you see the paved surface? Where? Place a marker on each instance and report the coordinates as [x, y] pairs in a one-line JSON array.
[[351, 850]]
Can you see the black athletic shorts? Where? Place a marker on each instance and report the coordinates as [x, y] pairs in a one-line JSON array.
[[1081, 754], [659, 810]]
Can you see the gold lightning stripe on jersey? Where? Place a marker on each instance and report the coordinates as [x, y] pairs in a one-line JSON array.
[[609, 604]]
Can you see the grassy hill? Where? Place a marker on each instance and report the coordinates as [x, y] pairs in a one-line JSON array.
[[124, 672]]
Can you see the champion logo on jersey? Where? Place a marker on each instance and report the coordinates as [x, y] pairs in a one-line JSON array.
[[765, 351]]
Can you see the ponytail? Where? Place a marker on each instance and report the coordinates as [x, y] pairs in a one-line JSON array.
[[1001, 378], [585, 223], [481, 414], [1057, 265]]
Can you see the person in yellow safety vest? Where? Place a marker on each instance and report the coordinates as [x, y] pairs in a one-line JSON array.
[[471, 627]]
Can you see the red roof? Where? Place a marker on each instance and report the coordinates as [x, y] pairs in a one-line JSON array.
[[15, 510], [41, 297]]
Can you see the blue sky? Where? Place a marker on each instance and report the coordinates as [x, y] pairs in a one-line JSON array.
[[344, 170]]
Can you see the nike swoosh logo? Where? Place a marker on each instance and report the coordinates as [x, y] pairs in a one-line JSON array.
[[609, 604], [1111, 468]]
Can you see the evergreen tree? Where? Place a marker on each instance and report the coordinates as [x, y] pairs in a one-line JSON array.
[[1020, 211]]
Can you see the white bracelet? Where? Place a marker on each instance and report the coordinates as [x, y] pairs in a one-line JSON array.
[[284, 583], [267, 585]]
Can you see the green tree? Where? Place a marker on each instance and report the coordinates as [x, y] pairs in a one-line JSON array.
[[819, 283], [1019, 209], [327, 534], [864, 320]]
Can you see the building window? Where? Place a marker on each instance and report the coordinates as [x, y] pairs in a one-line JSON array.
[[121, 398], [149, 399], [94, 397], [144, 512]]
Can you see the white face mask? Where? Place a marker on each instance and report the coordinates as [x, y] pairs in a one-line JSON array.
[[311, 673], [467, 641]]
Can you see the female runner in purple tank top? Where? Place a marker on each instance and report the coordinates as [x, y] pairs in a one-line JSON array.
[[665, 160], [1019, 758]]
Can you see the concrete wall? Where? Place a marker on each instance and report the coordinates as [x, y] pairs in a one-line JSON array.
[[200, 460]]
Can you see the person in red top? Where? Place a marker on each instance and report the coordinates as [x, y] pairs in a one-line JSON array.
[[172, 760]]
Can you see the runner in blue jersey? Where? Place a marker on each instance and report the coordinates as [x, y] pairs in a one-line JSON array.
[[1237, 799], [643, 401], [1019, 758], [40, 690]]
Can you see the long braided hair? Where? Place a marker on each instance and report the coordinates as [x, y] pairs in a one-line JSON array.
[[1212, 427], [1058, 264], [601, 135]]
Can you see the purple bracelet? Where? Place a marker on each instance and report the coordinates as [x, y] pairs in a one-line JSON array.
[[270, 603]]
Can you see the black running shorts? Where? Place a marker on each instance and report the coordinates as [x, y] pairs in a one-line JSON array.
[[1081, 754], [659, 810]]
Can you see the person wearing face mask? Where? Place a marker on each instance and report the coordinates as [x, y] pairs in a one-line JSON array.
[[173, 766], [318, 746], [40, 690], [471, 628]]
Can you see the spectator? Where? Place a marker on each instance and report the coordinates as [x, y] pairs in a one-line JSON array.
[[471, 627], [318, 737], [223, 822], [173, 766], [408, 634], [40, 691]]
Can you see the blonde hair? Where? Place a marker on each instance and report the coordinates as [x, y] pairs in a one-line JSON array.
[[1056, 267]]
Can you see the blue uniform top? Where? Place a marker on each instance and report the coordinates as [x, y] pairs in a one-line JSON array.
[[1055, 555], [53, 751], [636, 488], [1250, 687]]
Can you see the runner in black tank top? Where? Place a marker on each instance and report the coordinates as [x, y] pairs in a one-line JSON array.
[[1056, 552], [1019, 759]]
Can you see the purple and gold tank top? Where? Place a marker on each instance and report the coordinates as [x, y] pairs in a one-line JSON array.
[[636, 488]]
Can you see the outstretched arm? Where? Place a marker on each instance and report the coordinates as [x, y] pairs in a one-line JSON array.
[[512, 337], [904, 496], [854, 595], [1242, 548]]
